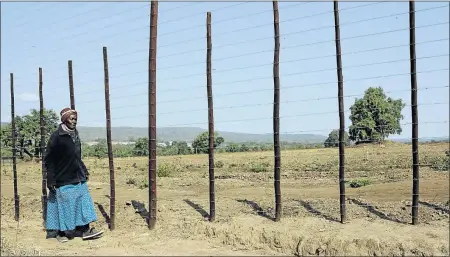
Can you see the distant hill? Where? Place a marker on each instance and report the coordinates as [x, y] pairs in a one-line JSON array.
[[188, 134]]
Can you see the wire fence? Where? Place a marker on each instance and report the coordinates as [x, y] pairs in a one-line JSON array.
[[408, 60]]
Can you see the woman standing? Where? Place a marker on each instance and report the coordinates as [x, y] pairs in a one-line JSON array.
[[70, 209]]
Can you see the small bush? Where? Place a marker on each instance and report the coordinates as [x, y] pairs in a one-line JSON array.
[[322, 165], [437, 162], [440, 163], [359, 183], [236, 165], [259, 167], [189, 166], [131, 181], [219, 164], [167, 170], [144, 184]]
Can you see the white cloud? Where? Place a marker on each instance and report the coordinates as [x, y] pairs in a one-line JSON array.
[[28, 97]]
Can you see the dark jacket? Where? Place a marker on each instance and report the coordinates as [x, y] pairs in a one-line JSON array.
[[62, 160]]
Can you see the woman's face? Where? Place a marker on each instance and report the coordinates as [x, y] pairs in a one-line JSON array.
[[71, 122]]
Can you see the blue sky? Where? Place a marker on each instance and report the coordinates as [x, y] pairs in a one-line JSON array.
[[47, 35]]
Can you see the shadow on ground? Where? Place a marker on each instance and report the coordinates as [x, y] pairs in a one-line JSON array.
[[103, 212], [373, 210], [316, 212], [140, 208], [197, 207], [435, 206], [259, 211]]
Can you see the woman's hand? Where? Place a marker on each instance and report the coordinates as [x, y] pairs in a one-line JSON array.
[[52, 189]]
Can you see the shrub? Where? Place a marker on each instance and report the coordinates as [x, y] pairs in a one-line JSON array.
[[259, 167], [167, 170], [437, 162], [359, 183], [440, 163], [144, 184], [131, 181], [219, 164]]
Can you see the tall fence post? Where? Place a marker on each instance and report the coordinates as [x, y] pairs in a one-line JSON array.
[[212, 203], [152, 114], [72, 95], [112, 183], [42, 145], [14, 158], [341, 114], [415, 119], [276, 111]]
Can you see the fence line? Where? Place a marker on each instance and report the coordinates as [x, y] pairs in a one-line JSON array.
[[287, 133], [152, 147], [303, 31], [267, 103], [297, 60]]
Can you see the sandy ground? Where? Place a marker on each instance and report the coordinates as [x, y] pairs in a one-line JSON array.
[[378, 214], [378, 217]]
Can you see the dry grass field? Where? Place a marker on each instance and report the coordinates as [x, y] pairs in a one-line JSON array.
[[378, 211]]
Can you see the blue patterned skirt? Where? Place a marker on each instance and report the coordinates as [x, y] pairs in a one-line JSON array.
[[70, 207]]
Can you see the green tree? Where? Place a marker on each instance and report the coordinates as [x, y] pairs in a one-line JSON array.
[[86, 150], [123, 150], [375, 116], [100, 150], [167, 150], [5, 140], [30, 128], [141, 147], [182, 147], [232, 148], [333, 139], [5, 135], [201, 142], [244, 148]]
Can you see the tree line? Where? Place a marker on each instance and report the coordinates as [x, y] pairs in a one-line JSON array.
[[140, 147], [373, 118]]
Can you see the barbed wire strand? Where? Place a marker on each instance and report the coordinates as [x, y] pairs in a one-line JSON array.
[[246, 54], [255, 119], [101, 18], [294, 46], [247, 41], [315, 130], [180, 42], [285, 87], [116, 33]]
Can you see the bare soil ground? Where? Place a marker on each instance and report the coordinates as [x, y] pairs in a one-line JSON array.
[[378, 214]]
